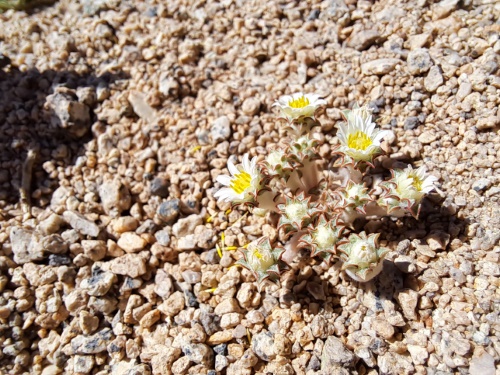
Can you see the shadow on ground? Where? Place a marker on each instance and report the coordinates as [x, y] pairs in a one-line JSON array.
[[49, 114]]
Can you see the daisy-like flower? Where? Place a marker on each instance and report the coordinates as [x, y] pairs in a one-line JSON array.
[[243, 184], [359, 138], [362, 257], [413, 183], [406, 189], [262, 260], [299, 105]]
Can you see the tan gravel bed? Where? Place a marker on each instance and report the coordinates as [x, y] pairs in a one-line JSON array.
[[132, 109]]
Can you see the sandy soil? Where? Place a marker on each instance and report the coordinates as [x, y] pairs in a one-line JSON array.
[[116, 117]]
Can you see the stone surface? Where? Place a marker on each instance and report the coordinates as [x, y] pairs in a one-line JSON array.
[[419, 61], [80, 223], [68, 113], [335, 354], [25, 246], [131, 242], [169, 210], [221, 129], [380, 66], [434, 79], [93, 344], [115, 197], [263, 346], [132, 265]]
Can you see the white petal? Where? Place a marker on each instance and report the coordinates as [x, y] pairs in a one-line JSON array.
[[231, 168], [380, 135], [224, 180], [246, 163]]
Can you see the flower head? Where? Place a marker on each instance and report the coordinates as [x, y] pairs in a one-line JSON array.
[[362, 257], [262, 260], [406, 189], [413, 183], [359, 138], [243, 184], [299, 105]]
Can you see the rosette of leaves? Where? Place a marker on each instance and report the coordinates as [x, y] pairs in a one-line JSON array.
[[277, 164], [262, 260], [354, 197], [361, 256], [322, 237], [297, 212], [304, 148]]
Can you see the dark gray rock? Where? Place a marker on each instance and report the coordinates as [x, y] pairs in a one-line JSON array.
[[169, 210], [159, 186], [411, 123]]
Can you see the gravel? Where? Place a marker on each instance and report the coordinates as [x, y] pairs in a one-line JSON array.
[[133, 111]]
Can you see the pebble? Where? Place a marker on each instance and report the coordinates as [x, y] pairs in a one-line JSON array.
[[131, 242], [68, 113], [263, 346], [181, 366], [434, 79], [159, 187], [411, 123], [383, 328], [199, 353], [125, 224], [83, 364], [220, 129], [95, 250], [173, 304], [363, 39], [25, 246], [419, 61], [427, 137], [335, 355], [132, 265], [93, 344], [99, 284], [80, 223], [250, 106], [379, 66], [169, 210], [419, 40], [115, 197], [220, 337], [408, 300], [229, 305], [482, 363]]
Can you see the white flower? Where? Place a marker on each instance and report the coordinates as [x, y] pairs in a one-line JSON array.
[[413, 183], [299, 105], [243, 183], [359, 138]]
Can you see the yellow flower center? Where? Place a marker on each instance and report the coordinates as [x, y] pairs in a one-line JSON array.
[[417, 183], [257, 254], [299, 102], [260, 260], [241, 182], [359, 141]]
